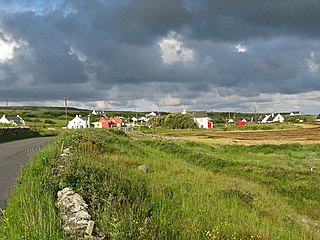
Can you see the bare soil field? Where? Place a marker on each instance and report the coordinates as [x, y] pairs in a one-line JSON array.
[[306, 135]]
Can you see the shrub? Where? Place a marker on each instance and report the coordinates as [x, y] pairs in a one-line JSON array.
[[48, 121], [180, 121]]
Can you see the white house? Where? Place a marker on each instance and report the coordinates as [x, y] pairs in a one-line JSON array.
[[317, 118], [150, 115], [79, 122], [200, 117], [230, 120], [94, 112], [274, 117], [15, 120], [142, 119], [295, 113]]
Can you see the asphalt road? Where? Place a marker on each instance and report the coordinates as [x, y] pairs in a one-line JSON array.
[[13, 157]]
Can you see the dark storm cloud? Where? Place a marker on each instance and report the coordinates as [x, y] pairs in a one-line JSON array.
[[240, 20], [92, 49]]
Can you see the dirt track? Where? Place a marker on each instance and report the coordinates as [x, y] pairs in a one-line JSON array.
[[309, 135]]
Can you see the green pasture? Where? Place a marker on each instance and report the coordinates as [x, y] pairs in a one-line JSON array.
[[191, 191]]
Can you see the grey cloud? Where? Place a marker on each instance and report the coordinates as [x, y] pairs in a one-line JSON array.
[[123, 61], [240, 20]]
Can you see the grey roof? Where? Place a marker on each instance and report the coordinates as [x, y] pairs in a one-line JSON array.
[[15, 119], [272, 117], [318, 116], [199, 114]]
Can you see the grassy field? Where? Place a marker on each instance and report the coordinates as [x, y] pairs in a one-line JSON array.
[[191, 191], [289, 134]]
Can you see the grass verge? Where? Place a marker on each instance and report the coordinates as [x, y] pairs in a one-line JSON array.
[[30, 213]]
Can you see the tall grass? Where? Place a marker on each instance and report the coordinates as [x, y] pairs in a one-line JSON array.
[[189, 192]]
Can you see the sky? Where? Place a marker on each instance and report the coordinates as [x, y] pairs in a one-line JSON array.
[[168, 55]]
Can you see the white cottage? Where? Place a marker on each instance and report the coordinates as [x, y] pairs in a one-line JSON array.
[[79, 122], [15, 120], [274, 117], [200, 117]]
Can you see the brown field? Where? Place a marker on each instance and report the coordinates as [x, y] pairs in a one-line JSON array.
[[306, 135]]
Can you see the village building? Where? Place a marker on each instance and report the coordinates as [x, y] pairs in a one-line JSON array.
[[230, 120], [105, 122], [79, 122], [295, 113], [243, 122], [317, 118], [116, 122], [271, 118], [102, 123], [201, 118], [15, 120], [151, 115]]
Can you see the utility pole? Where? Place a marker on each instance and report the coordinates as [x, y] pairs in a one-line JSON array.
[[255, 120], [66, 108], [7, 103]]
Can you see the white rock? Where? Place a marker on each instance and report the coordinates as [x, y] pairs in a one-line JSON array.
[[82, 215]]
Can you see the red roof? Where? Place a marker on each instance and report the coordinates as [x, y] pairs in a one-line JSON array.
[[117, 120], [103, 119]]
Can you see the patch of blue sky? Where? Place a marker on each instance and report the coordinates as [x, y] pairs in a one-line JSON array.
[[39, 7]]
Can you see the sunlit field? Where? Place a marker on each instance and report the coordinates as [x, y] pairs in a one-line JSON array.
[[192, 190]]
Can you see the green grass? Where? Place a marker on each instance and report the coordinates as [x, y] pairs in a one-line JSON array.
[[30, 213], [192, 190]]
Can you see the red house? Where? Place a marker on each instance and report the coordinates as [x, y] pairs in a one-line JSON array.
[[116, 121], [104, 122]]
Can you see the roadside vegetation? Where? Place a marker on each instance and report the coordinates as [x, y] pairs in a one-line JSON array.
[[191, 191]]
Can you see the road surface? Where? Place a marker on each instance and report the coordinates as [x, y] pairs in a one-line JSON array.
[[13, 157]]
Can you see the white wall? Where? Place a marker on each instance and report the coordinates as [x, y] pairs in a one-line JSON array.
[[202, 122]]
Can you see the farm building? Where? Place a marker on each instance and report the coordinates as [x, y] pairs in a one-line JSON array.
[[15, 120], [79, 122]]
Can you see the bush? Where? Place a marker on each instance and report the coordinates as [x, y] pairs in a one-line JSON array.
[[174, 121], [49, 121], [156, 121], [180, 121]]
